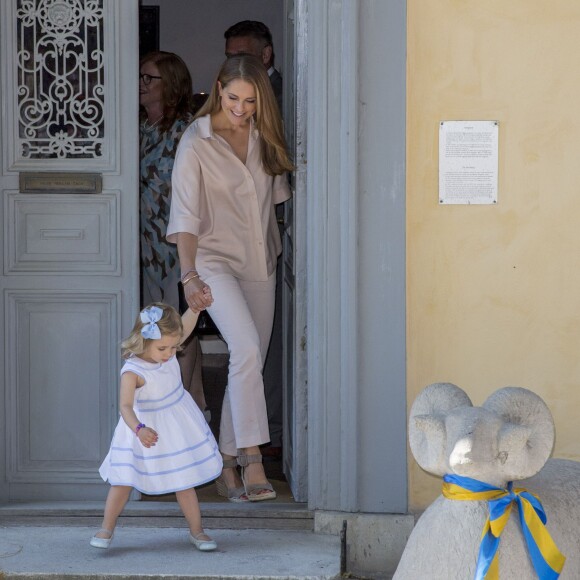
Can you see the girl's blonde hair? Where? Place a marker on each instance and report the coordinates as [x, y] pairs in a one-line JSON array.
[[248, 68], [169, 324]]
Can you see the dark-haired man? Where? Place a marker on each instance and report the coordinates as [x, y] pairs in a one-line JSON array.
[[254, 37]]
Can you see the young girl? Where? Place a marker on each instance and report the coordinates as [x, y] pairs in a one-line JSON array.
[[162, 442]]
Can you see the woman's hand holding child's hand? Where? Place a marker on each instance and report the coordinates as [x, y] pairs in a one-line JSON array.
[[198, 295], [147, 436], [207, 295]]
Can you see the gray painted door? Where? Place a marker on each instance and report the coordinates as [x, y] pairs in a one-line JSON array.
[[69, 277], [294, 255]]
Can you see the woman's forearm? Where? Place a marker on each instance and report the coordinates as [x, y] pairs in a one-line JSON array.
[[197, 293], [187, 251]]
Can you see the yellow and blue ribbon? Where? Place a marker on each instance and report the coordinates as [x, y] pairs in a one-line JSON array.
[[546, 558]]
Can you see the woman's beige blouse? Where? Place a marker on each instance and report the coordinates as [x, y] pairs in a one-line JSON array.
[[229, 206]]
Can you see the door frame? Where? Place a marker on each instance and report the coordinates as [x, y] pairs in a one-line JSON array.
[[295, 282], [355, 230]]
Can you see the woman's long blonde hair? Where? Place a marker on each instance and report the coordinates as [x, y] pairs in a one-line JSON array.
[[268, 121], [169, 323]]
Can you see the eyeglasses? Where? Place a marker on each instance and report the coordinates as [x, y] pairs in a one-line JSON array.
[[148, 78]]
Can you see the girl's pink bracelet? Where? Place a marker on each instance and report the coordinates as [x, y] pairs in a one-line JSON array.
[[140, 426]]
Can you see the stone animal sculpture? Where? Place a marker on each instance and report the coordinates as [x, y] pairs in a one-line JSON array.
[[509, 438]]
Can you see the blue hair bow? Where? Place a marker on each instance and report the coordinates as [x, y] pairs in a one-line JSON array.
[[149, 317]]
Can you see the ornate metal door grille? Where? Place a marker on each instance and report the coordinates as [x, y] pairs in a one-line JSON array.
[[61, 79]]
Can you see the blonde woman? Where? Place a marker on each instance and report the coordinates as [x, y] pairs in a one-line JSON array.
[[229, 172]]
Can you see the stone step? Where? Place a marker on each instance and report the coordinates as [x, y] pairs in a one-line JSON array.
[[146, 553], [163, 514]]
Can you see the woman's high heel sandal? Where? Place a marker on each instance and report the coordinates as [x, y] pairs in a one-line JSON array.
[[255, 491], [235, 494]]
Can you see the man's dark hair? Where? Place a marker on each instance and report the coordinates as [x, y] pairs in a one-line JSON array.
[[252, 28]]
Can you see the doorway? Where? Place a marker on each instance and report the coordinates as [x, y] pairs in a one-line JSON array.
[[194, 31], [70, 244]]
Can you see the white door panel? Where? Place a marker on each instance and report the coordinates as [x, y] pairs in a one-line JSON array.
[[69, 278]]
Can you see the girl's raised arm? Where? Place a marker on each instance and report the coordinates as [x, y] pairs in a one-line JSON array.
[[189, 320]]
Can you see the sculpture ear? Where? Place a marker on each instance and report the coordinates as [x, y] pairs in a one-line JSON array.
[[527, 438], [513, 438], [427, 435], [431, 425]]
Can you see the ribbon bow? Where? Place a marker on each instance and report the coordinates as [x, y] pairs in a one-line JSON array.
[[546, 558], [149, 317]]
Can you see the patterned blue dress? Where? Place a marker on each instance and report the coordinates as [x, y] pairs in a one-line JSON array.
[[159, 263]]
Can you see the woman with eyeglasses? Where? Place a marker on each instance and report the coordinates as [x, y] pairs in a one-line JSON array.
[[166, 109]]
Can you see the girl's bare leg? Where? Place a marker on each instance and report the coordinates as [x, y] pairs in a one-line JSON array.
[[189, 505], [116, 499]]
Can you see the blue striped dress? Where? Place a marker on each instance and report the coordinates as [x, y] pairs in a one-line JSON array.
[[186, 454]]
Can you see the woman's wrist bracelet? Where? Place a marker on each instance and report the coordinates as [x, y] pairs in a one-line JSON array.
[[140, 426], [189, 279], [191, 271]]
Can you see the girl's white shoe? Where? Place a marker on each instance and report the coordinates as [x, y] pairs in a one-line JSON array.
[[202, 544], [104, 543]]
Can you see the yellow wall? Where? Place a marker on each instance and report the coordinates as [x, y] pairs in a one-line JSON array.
[[494, 291]]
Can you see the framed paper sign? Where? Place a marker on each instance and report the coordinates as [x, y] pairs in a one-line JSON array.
[[468, 162]]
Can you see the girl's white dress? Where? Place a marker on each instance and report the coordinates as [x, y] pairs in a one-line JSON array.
[[186, 454]]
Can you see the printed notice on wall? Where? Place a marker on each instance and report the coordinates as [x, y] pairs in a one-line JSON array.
[[468, 162]]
